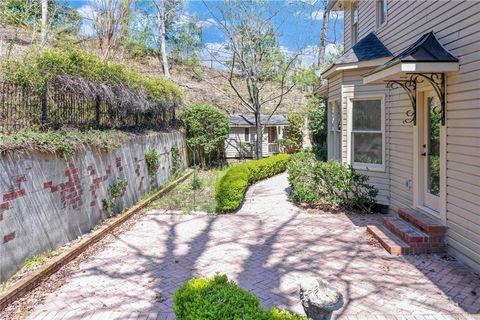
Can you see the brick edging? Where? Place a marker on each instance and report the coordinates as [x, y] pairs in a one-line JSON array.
[[33, 280]]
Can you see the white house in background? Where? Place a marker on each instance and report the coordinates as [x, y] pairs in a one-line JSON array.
[[242, 137], [404, 109]]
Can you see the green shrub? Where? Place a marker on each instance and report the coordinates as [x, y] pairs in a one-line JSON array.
[[293, 141], [207, 129], [313, 180], [152, 161], [219, 298], [230, 188], [343, 185], [302, 178]]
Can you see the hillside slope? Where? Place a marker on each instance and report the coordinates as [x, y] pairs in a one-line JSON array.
[[202, 85]]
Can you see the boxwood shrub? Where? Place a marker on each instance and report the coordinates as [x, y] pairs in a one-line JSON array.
[[219, 298], [230, 189]]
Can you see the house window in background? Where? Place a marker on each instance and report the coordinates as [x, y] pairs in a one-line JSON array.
[[354, 22], [247, 134], [272, 134], [367, 133], [381, 10], [336, 130]]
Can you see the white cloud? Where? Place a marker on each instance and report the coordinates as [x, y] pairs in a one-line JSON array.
[[210, 22], [318, 15], [215, 55], [309, 55], [87, 12]]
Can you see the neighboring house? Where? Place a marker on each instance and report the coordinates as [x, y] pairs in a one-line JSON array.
[[242, 137], [404, 108]]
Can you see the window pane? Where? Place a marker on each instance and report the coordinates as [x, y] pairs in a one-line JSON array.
[[246, 134], [367, 147], [367, 115]]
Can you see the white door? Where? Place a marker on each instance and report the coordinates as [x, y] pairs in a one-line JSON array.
[[431, 150]]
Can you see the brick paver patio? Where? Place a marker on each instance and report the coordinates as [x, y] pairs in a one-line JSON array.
[[266, 247]]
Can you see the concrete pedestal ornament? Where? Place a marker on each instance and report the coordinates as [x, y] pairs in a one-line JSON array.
[[319, 298]]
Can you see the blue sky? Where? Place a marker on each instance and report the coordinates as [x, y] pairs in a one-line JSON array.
[[299, 25]]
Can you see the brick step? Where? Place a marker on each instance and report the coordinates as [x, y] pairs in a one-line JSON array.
[[406, 231], [422, 221], [393, 244]]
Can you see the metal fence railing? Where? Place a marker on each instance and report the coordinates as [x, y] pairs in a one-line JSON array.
[[22, 109]]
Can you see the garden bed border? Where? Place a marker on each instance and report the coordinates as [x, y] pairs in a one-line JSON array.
[[32, 281]]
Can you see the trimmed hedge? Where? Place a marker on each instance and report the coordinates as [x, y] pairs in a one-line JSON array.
[[219, 298], [231, 188]]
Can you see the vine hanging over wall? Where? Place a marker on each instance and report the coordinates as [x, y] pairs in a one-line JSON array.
[[115, 191]]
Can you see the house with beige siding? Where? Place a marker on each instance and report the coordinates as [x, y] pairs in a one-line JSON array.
[[404, 109]]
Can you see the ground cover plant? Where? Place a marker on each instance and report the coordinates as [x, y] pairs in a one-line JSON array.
[[63, 141], [181, 197], [220, 298], [313, 181], [230, 189]]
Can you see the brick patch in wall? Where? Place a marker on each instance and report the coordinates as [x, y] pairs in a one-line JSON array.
[[13, 195], [4, 206], [9, 237], [71, 191]]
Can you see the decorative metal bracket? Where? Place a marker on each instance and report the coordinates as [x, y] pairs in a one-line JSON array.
[[436, 80], [410, 87]]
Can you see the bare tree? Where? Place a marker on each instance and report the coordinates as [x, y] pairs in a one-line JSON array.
[[44, 31], [109, 17], [323, 35], [253, 59], [166, 11]]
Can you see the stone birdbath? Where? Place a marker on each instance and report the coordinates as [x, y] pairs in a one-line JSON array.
[[319, 298]]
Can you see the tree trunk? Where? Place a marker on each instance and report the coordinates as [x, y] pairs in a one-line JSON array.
[[44, 31], [323, 38], [259, 140], [163, 45]]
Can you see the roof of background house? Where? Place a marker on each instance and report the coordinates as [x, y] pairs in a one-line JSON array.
[[425, 49], [249, 120]]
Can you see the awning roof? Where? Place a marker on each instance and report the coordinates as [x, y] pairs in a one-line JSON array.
[[368, 52], [426, 55]]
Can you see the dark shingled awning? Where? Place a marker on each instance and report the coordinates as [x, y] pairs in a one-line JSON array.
[[368, 48], [249, 120], [425, 49]]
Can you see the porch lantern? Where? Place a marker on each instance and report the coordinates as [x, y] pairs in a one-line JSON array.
[[425, 60]]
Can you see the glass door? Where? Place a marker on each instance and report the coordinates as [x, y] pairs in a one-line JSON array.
[[431, 151]]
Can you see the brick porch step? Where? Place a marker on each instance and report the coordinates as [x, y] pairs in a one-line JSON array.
[[424, 222], [393, 244], [406, 231]]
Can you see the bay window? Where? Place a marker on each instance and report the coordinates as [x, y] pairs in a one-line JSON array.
[[335, 124], [366, 134]]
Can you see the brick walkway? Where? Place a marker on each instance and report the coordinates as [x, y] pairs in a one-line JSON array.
[[265, 251]]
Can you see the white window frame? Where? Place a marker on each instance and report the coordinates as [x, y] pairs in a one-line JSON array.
[[332, 143], [359, 165], [354, 24], [381, 9]]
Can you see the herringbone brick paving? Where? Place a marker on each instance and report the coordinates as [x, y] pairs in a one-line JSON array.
[[266, 247]]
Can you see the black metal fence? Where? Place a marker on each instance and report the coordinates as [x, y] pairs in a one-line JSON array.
[[23, 109]]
